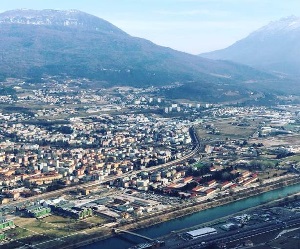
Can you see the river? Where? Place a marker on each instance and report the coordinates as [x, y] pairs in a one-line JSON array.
[[194, 219]]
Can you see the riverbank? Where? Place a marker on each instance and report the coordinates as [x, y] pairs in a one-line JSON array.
[[282, 201], [182, 211]]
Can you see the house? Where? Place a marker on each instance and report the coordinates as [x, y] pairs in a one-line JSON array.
[[210, 191], [211, 183], [226, 184], [197, 189], [187, 179]]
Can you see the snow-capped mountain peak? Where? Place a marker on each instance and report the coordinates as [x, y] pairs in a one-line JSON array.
[[274, 47], [285, 24]]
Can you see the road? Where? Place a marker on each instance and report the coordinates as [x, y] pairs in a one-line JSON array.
[[236, 235]]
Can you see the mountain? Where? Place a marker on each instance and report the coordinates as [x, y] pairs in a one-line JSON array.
[[274, 47], [68, 18], [34, 43]]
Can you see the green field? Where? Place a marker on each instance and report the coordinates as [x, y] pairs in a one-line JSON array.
[[52, 231], [228, 130]]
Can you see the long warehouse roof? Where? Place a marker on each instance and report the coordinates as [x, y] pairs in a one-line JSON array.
[[202, 231]]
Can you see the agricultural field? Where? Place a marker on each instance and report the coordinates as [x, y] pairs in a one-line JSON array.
[[227, 128], [51, 231], [279, 140]]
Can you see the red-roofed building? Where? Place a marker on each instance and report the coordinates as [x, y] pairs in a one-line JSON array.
[[172, 185], [233, 186], [246, 174], [226, 184], [210, 191], [211, 183], [251, 180], [197, 189], [187, 179], [198, 179]]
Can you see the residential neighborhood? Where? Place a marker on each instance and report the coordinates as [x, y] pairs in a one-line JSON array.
[[110, 158]]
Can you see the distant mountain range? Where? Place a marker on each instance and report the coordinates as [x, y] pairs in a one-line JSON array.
[[34, 43], [274, 47]]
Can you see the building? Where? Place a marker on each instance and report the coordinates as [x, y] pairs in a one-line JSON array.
[[2, 236], [226, 184], [210, 191], [149, 245], [187, 179], [69, 210], [197, 188], [6, 224], [229, 226], [38, 211], [211, 183], [201, 232]]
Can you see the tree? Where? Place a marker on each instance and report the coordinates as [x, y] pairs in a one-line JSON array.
[[226, 176]]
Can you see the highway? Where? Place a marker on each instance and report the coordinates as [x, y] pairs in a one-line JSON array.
[[59, 192]]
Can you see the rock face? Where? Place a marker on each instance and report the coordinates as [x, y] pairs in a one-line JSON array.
[[68, 18], [274, 47]]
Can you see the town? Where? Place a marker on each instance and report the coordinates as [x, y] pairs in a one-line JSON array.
[[91, 159]]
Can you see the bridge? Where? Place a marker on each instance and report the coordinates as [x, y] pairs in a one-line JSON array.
[[115, 230]]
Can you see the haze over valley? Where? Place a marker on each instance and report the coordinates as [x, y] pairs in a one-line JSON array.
[[79, 45], [110, 140]]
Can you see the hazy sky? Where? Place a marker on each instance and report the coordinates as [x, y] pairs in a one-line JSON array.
[[193, 26]]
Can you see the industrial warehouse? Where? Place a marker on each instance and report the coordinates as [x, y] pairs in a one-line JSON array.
[[200, 232]]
